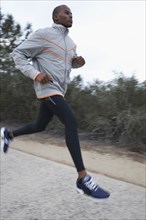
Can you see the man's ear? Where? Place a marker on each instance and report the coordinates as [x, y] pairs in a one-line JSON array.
[[55, 18]]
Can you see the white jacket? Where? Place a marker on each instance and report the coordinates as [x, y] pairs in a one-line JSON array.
[[51, 51]]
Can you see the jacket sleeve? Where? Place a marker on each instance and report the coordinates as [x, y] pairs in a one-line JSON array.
[[30, 48]]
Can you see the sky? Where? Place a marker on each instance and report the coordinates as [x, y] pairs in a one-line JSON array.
[[110, 35]]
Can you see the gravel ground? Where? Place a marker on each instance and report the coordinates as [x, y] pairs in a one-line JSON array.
[[33, 188]]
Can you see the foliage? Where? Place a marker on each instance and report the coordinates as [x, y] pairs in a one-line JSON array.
[[111, 111], [16, 90]]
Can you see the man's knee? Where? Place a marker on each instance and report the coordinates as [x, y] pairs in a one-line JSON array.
[[39, 128]]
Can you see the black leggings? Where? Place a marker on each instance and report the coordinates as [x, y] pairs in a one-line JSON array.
[[56, 105]]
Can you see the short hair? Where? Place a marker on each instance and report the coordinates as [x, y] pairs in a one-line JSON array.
[[56, 10]]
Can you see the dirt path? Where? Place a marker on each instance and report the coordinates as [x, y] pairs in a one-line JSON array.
[[116, 165], [33, 188]]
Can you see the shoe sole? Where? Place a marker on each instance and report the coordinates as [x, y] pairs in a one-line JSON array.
[[3, 141], [81, 192]]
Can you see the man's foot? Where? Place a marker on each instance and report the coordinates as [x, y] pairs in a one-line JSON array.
[[89, 187], [5, 139]]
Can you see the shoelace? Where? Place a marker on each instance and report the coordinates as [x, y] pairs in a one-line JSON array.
[[91, 185]]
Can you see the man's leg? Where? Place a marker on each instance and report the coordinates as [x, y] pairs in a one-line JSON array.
[[84, 183], [44, 117], [62, 110]]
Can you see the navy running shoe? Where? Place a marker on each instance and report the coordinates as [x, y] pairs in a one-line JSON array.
[[5, 139], [89, 187]]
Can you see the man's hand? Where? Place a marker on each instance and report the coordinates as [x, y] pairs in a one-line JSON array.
[[79, 60], [43, 78]]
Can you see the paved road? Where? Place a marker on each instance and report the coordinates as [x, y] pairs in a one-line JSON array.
[[34, 188]]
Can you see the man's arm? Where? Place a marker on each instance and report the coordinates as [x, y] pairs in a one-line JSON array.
[[28, 49]]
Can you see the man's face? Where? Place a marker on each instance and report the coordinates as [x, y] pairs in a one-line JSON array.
[[64, 17]]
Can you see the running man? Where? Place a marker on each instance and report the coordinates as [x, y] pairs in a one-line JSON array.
[[53, 54]]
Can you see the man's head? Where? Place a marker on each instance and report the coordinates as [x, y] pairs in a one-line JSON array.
[[62, 15]]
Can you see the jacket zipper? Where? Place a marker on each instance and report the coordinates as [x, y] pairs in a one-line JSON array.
[[65, 59]]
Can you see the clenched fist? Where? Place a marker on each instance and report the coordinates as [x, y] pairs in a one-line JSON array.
[[79, 60], [43, 78]]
